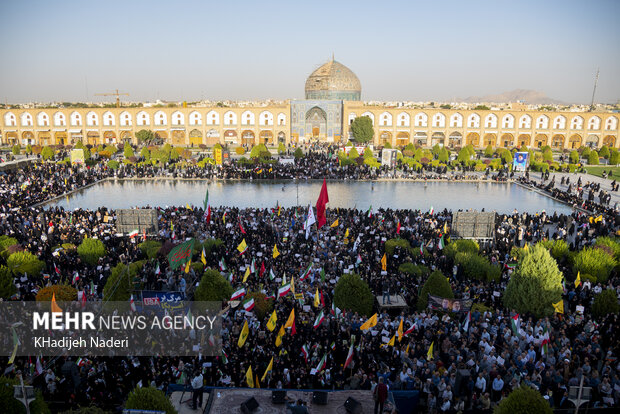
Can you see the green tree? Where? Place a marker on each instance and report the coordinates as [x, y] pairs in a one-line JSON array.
[[488, 152], [368, 153], [7, 287], [593, 158], [213, 287], [91, 250], [146, 154], [585, 152], [605, 303], [5, 243], [262, 305], [547, 154], [298, 153], [353, 294], [259, 150], [461, 246], [47, 153], [145, 136], [614, 157], [24, 262], [444, 155], [16, 150], [536, 283], [392, 244], [594, 261], [604, 152], [353, 154], [437, 285], [113, 164], [150, 248], [128, 150], [63, 292], [119, 285], [573, 157], [362, 129], [506, 156], [464, 155], [523, 400], [10, 405], [149, 398], [481, 108]]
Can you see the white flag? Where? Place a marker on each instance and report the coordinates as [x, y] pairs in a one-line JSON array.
[[310, 220]]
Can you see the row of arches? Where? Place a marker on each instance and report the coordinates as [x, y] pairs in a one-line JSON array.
[[455, 139], [143, 118], [474, 120]]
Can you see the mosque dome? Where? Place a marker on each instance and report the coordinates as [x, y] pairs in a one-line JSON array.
[[333, 80]]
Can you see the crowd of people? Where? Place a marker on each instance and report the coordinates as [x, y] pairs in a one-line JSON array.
[[467, 369]]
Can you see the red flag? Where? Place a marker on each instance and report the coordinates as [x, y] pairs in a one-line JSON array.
[[320, 206], [83, 299], [240, 226], [398, 227], [293, 328], [322, 300], [262, 269]]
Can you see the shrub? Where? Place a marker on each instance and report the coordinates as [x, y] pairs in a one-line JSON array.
[[604, 152], [209, 245], [611, 243], [368, 153], [240, 150], [444, 155], [488, 152], [391, 244], [353, 294], [353, 154], [573, 157], [614, 157], [281, 148], [585, 152], [414, 269], [605, 303], [149, 398], [146, 154], [558, 248], [113, 164], [258, 151], [461, 246], [213, 287], [547, 154], [593, 158], [536, 283], [47, 153], [24, 262], [262, 305], [90, 250], [371, 162], [63, 293], [16, 149], [595, 262], [7, 287], [298, 153], [5, 243], [523, 400], [506, 156], [128, 150], [150, 248], [120, 284], [85, 410], [10, 405], [436, 285], [477, 267]]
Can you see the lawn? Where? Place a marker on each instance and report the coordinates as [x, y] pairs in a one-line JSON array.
[[598, 171]]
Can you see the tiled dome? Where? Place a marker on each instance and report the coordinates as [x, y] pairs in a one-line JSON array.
[[333, 80]]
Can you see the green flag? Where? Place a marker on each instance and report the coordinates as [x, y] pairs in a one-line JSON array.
[[181, 254]]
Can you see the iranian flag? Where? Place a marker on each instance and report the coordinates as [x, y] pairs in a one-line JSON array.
[[306, 273], [56, 269], [224, 357], [335, 311], [431, 211], [157, 269], [358, 261], [283, 290], [349, 357], [319, 319], [134, 233], [422, 249], [544, 345], [305, 351], [207, 207], [262, 269], [511, 265], [248, 305], [238, 294], [222, 265], [132, 304], [411, 329], [467, 321], [322, 364], [271, 274], [253, 266], [441, 243], [81, 362], [370, 212], [516, 324]]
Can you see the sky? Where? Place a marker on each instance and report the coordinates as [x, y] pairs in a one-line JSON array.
[[255, 50]]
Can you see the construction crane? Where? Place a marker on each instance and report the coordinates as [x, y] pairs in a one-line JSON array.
[[594, 91], [117, 94]]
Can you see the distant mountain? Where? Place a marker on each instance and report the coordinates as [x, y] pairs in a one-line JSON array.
[[526, 95]]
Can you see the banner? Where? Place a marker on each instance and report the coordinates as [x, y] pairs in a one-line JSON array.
[[181, 254], [163, 299], [77, 156], [521, 161], [217, 154], [449, 305], [388, 157]]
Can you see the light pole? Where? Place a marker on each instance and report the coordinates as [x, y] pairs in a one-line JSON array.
[[23, 393]]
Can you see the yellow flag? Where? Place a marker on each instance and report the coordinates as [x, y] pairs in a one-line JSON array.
[[245, 331], [256, 381], [291, 319], [334, 224], [271, 323], [247, 273], [293, 284], [203, 258], [445, 227], [242, 246], [591, 219], [249, 378], [276, 253], [384, 262], [559, 307], [372, 321], [268, 370], [54, 305], [578, 280], [346, 233], [317, 298], [599, 218], [526, 247], [391, 343], [188, 207], [429, 354], [400, 330], [407, 350], [279, 337], [189, 262]]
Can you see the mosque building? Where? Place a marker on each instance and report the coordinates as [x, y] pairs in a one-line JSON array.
[[333, 99]]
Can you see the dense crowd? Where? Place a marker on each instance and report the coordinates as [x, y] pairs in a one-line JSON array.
[[470, 370]]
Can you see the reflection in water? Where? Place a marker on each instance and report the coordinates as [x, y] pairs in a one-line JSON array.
[[500, 197]]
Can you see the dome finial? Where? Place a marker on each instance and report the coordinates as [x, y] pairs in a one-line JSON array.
[[332, 56]]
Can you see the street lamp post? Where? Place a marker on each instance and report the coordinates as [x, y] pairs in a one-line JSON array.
[[23, 393]]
